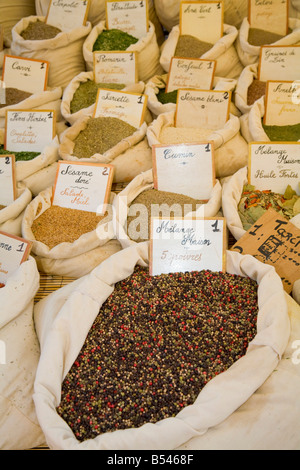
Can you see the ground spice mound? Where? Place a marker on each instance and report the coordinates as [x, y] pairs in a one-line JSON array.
[[86, 94], [256, 90], [114, 40], [170, 97], [260, 37], [183, 135], [39, 31], [289, 133], [14, 96], [138, 222], [100, 135], [190, 46], [19, 156], [155, 344], [58, 225], [2, 207], [2, 285]]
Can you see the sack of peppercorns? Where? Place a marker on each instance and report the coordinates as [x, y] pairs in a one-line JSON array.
[[230, 148], [139, 371], [19, 356], [223, 51], [11, 216], [250, 40], [139, 196], [159, 101]]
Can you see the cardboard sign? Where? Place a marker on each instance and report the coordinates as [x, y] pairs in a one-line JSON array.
[[282, 62], [281, 109], [185, 169], [269, 15], [30, 130], [8, 186], [274, 165], [29, 75], [190, 73], [13, 252], [275, 241], [203, 109], [67, 14], [124, 105], [83, 186], [132, 16], [116, 67], [187, 244], [203, 20]]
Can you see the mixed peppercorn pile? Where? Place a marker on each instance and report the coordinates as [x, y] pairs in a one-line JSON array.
[[154, 345]]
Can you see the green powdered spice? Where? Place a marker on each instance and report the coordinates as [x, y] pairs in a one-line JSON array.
[[86, 94], [189, 46], [170, 97], [39, 31], [260, 37], [100, 135], [283, 133], [20, 156], [154, 203], [14, 96], [113, 40]]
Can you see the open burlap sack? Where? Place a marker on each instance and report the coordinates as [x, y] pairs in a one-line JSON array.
[[223, 52], [59, 321], [129, 157], [294, 8], [147, 51], [19, 427], [159, 82], [141, 183], [231, 149], [11, 12], [248, 75], [249, 54], [168, 12], [83, 77], [11, 216], [69, 259], [64, 52]]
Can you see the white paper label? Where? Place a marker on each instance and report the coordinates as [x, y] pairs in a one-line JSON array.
[[83, 186], [203, 20], [282, 62], [29, 131], [281, 107], [190, 73], [269, 15], [115, 67], [185, 169], [28, 75], [7, 180], [128, 16], [67, 14], [13, 252], [187, 244], [202, 109], [273, 165], [129, 107]]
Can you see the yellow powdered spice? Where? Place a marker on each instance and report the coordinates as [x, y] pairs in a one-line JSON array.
[[178, 135], [58, 225]]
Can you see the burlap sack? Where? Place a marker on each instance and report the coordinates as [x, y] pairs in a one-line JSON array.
[[64, 52], [129, 157], [11, 12], [11, 216], [59, 321], [168, 12], [159, 82], [147, 51], [41, 179], [294, 8], [231, 149], [19, 427], [69, 91], [248, 75], [141, 183], [249, 54], [69, 259], [223, 52]]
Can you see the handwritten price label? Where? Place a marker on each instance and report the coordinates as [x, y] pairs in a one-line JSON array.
[[187, 244], [67, 14], [7, 180], [132, 17], [13, 252], [280, 106], [269, 15], [203, 20], [282, 62], [190, 73], [115, 67], [29, 75]]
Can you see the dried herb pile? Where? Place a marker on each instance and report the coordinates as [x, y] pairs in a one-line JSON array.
[[39, 31], [290, 133], [170, 97], [14, 96], [113, 40], [190, 46], [260, 37], [86, 94], [19, 156], [154, 345], [254, 203]]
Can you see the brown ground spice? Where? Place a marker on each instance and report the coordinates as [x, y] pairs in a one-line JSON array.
[[189, 46], [39, 31], [154, 345], [260, 37], [58, 225], [2, 207], [152, 196], [14, 96], [256, 90]]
